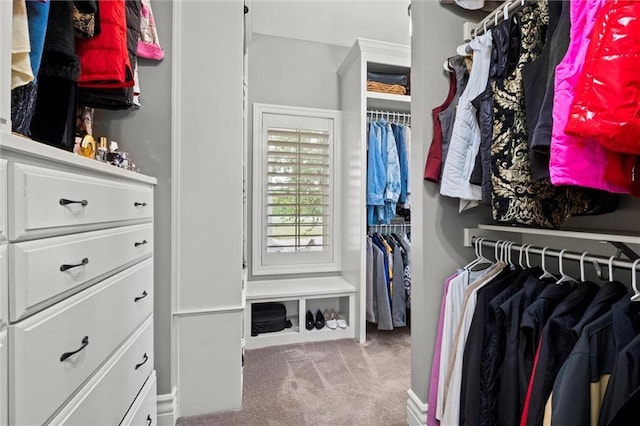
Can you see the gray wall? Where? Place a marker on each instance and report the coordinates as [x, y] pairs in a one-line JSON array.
[[146, 134], [437, 248], [285, 71]]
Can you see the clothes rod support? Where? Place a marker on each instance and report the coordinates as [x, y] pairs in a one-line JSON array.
[[567, 255], [624, 249]]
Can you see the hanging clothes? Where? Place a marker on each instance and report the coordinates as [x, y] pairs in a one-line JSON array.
[[539, 77], [387, 170], [483, 104], [582, 379], [605, 107], [517, 198], [465, 140], [388, 293], [460, 67], [54, 116], [433, 165], [576, 161]]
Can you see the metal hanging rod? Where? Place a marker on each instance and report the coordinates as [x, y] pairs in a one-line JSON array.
[[508, 8], [392, 116], [550, 252], [390, 227]]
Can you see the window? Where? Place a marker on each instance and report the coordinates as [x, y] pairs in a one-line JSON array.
[[295, 188]]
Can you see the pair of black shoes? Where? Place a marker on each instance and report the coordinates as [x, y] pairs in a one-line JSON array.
[[312, 323]]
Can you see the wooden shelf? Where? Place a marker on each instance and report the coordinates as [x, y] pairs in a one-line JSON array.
[[626, 237]]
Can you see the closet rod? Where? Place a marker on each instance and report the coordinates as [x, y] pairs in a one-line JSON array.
[[497, 16], [572, 255], [396, 117]]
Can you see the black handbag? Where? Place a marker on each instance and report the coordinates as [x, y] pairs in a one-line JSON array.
[[268, 317]]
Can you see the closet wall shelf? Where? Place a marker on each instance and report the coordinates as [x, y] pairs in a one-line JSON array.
[[388, 101], [618, 239]]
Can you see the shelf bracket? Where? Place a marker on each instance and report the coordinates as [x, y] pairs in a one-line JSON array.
[[624, 249]]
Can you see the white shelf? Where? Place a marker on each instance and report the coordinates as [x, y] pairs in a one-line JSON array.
[[626, 237], [298, 288], [388, 101]]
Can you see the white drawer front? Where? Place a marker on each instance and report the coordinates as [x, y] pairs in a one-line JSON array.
[[109, 394], [4, 282], [4, 415], [144, 411], [37, 274], [48, 202], [103, 315], [3, 199]]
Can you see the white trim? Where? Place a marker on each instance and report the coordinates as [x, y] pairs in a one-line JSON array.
[[298, 265], [416, 410], [167, 405], [176, 63]]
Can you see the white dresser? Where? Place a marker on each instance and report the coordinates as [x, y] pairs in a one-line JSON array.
[[76, 261]]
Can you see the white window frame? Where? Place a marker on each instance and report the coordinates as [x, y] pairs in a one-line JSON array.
[[293, 263]]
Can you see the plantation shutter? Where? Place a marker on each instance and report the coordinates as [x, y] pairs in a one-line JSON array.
[[298, 190]]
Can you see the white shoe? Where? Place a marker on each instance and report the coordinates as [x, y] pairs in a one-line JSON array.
[[340, 320], [330, 320]]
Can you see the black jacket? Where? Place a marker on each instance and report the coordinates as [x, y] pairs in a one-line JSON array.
[[591, 360], [509, 394], [555, 346]]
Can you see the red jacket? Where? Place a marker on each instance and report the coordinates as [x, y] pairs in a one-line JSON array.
[[607, 102], [104, 62]]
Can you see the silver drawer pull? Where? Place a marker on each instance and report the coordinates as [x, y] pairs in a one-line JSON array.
[[144, 361], [65, 266], [149, 420], [137, 204], [144, 294], [64, 202], [85, 343], [141, 243]]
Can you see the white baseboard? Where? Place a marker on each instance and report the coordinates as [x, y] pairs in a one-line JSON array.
[[168, 408], [416, 410]]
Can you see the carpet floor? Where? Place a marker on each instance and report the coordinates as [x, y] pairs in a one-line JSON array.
[[328, 383]]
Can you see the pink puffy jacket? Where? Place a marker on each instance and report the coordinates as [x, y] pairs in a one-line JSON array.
[[576, 161]]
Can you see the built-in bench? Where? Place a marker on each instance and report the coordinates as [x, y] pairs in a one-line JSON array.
[[300, 296]]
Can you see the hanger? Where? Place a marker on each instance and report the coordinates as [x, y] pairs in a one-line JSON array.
[[636, 295], [505, 11], [480, 259], [563, 277], [546, 273], [526, 252], [611, 268], [582, 277]]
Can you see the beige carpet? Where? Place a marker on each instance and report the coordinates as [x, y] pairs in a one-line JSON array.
[[328, 383]]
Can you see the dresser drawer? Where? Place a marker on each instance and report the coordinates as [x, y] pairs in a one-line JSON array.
[[89, 325], [3, 200], [42, 271], [144, 411], [47, 202], [107, 397]]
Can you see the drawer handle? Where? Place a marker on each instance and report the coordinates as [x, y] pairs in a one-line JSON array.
[[65, 266], [143, 242], [85, 343], [64, 202], [149, 420], [146, 358], [144, 294], [137, 204]]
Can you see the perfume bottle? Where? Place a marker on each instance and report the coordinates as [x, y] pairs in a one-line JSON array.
[[113, 157], [101, 152], [87, 147]]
